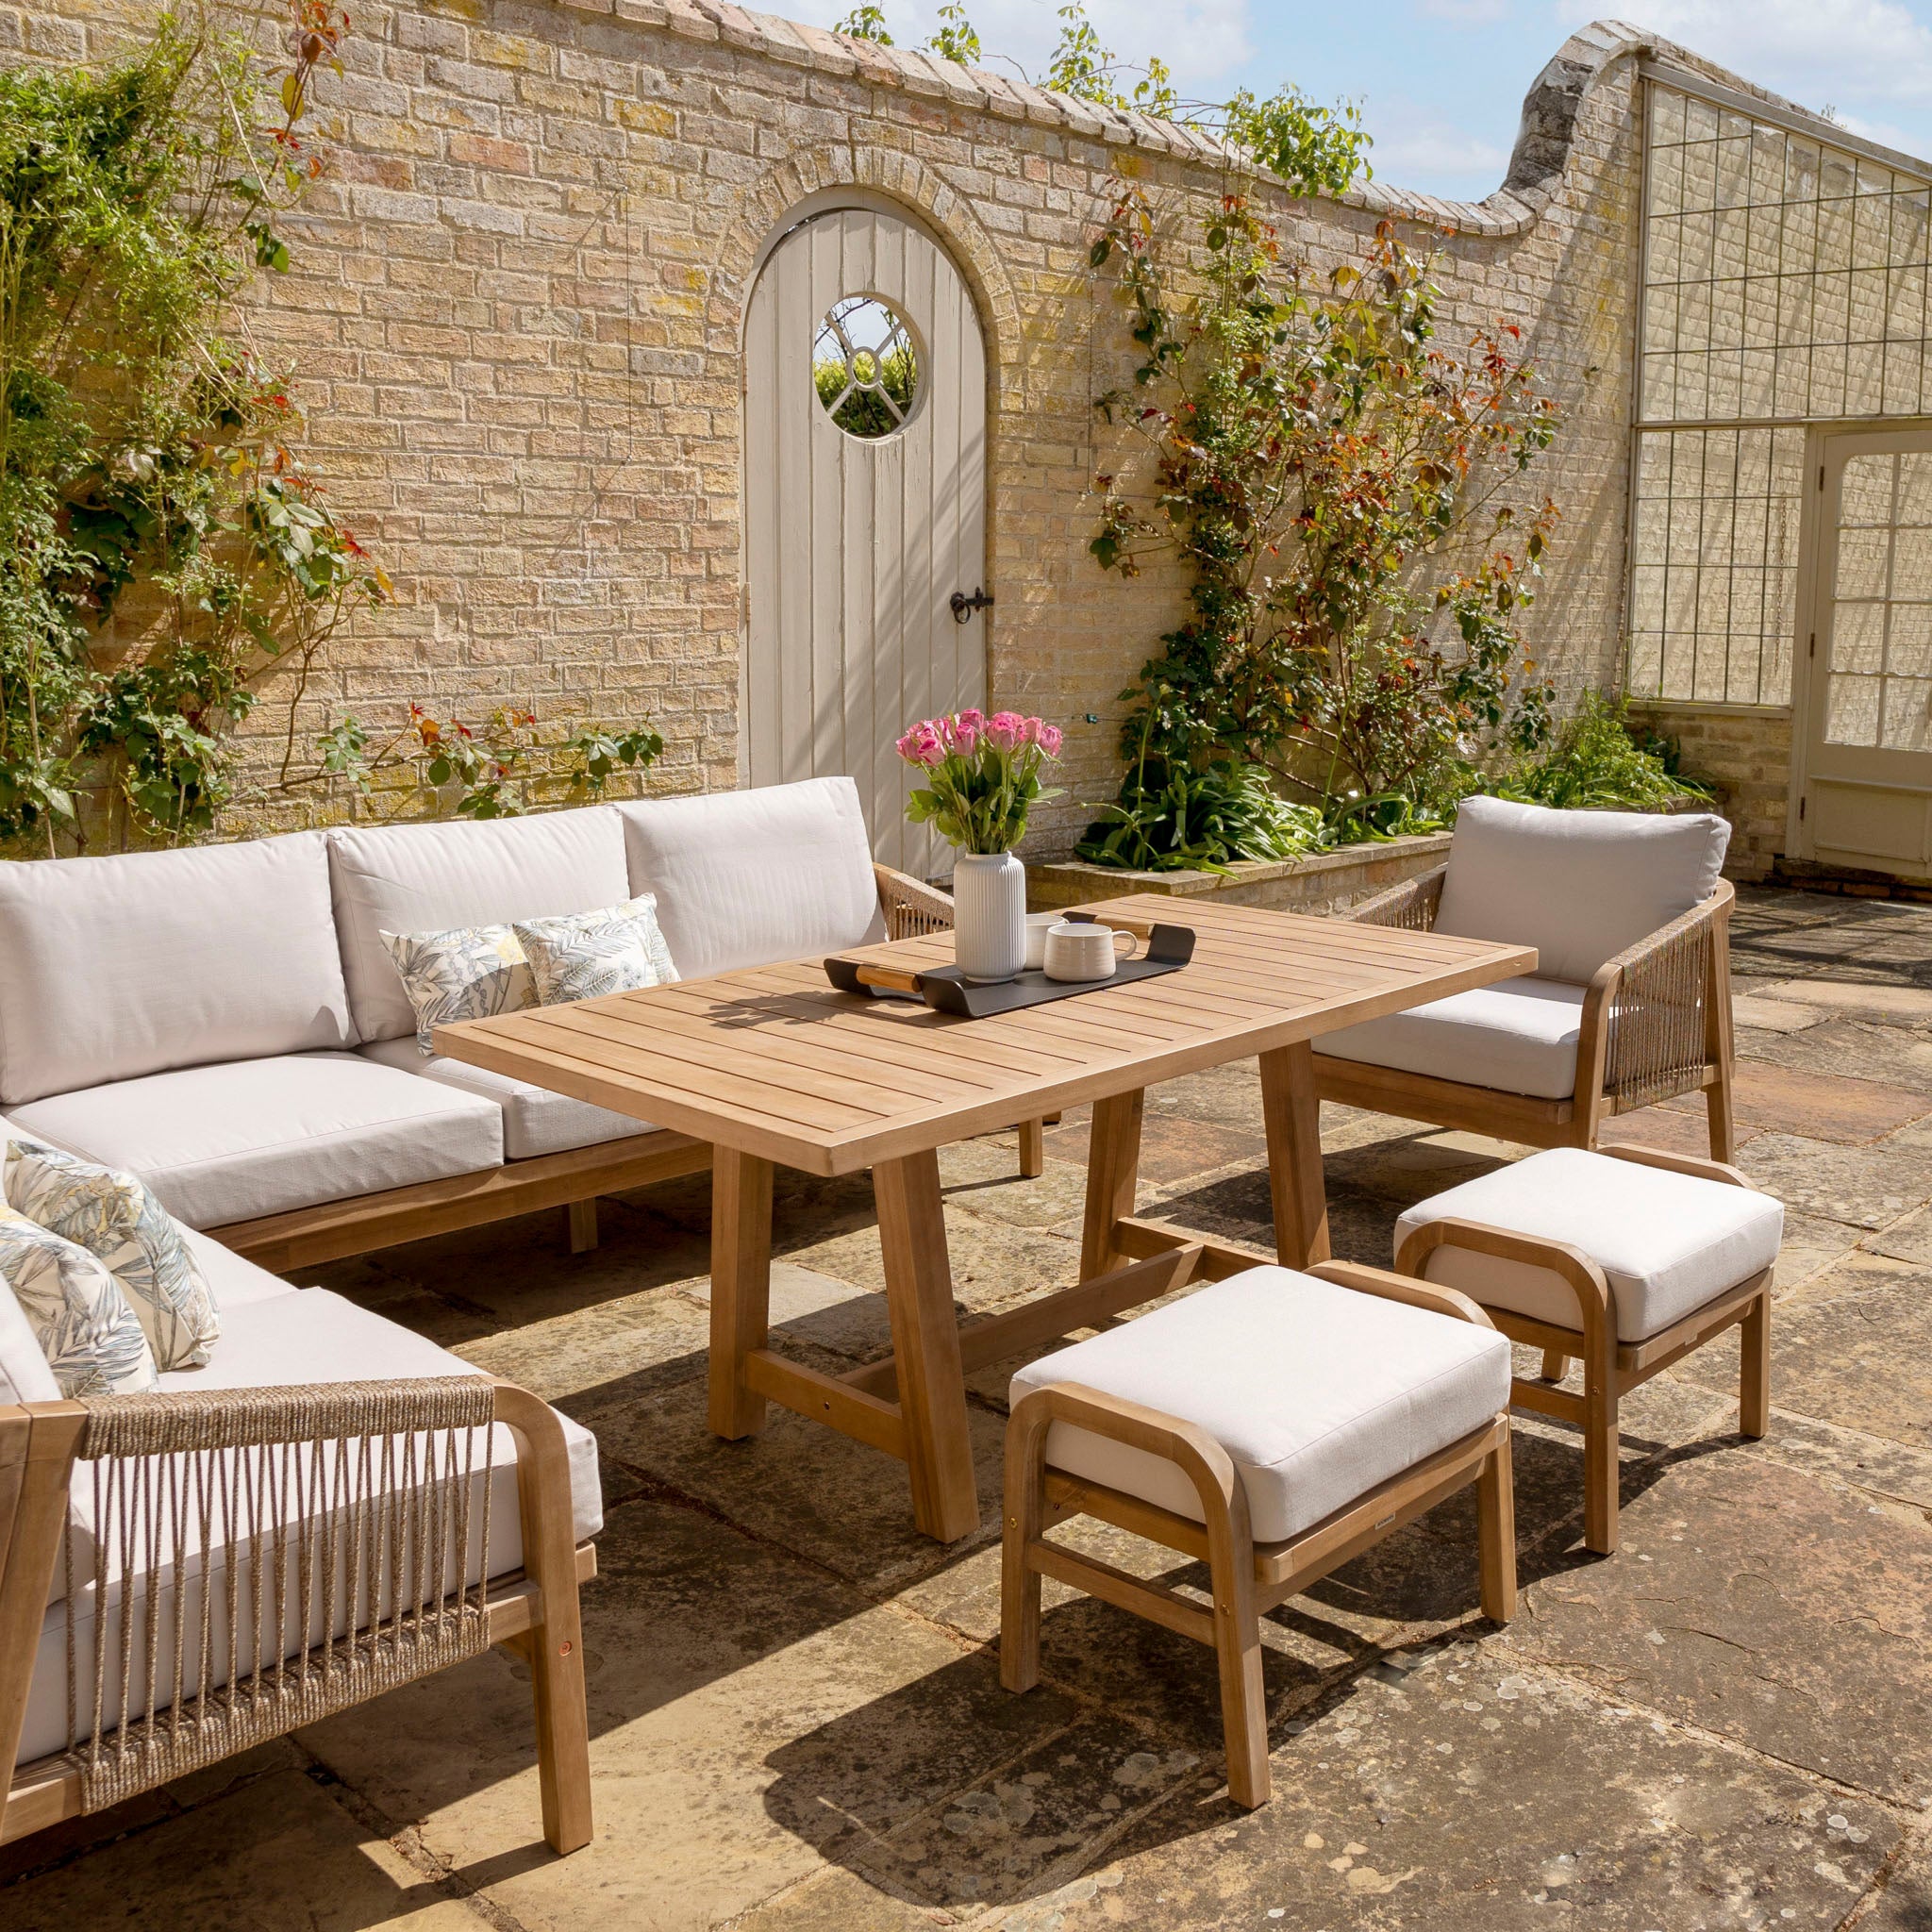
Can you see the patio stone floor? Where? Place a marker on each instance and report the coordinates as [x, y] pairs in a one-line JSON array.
[[794, 1699]]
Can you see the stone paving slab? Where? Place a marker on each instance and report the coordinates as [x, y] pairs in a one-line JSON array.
[[1788, 1613], [1474, 1793], [1818, 1105]]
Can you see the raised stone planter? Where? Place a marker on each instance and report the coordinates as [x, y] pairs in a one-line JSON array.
[[1322, 882]]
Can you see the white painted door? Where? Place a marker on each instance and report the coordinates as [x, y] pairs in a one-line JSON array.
[[1865, 799], [864, 511]]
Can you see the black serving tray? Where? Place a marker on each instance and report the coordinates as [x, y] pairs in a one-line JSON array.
[[946, 990]]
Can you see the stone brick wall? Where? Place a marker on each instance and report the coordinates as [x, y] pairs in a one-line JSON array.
[[1746, 752], [516, 305]]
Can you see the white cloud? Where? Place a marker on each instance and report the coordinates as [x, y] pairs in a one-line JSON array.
[[1814, 51], [1419, 151], [1206, 43]]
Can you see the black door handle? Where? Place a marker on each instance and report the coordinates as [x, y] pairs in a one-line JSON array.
[[963, 606]]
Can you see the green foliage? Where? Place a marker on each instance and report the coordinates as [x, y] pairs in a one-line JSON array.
[[863, 413], [144, 467], [1597, 760], [1312, 149], [866, 22], [502, 768], [1315, 453], [1175, 818], [954, 38]]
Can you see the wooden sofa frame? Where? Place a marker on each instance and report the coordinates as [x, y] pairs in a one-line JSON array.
[[1245, 1579], [1611, 1368], [1657, 1023], [573, 1179], [533, 1613]]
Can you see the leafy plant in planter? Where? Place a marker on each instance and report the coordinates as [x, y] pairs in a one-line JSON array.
[[161, 547], [1595, 761], [1318, 457]]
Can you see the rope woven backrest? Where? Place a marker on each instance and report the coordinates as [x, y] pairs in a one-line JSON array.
[[261, 1558], [905, 922], [1657, 1042]]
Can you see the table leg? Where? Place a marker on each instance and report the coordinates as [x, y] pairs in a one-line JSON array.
[[1113, 1174], [926, 1345], [1291, 1111], [741, 1285]]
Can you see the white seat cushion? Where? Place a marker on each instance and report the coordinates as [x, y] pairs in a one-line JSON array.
[[1518, 1037], [1317, 1392], [311, 1336], [747, 878], [111, 968], [535, 1120], [231, 1142], [432, 879], [1578, 886], [1667, 1242], [232, 1279]]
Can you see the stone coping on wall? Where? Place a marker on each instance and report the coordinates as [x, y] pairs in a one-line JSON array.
[[1537, 162]]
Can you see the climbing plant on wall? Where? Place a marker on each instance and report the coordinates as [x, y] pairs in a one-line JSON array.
[[161, 547], [1343, 490]]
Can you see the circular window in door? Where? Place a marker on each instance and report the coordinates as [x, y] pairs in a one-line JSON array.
[[865, 367]]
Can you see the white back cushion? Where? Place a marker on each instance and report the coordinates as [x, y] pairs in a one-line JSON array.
[[1578, 886], [430, 879], [111, 968], [745, 878]]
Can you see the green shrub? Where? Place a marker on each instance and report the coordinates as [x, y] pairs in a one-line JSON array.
[[1597, 760], [1170, 819]]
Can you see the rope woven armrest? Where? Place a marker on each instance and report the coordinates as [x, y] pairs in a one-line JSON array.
[[263, 1559], [1411, 905], [1656, 990], [910, 906]]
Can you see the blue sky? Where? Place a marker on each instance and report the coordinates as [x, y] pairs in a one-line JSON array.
[[1440, 82]]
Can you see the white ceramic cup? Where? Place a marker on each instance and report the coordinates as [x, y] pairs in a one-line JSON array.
[[1083, 951], [1037, 924]]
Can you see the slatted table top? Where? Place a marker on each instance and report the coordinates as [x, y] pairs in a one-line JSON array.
[[773, 1062]]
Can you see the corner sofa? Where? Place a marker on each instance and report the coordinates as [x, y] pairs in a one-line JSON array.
[[272, 1537], [224, 1021]]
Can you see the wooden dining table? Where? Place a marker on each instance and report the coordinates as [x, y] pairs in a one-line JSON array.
[[775, 1067]]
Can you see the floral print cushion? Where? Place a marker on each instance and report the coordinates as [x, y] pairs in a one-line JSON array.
[[83, 1324], [468, 973], [116, 1219], [583, 956]]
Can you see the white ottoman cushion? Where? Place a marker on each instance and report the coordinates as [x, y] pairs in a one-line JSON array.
[[1518, 1037], [1667, 1242], [1318, 1392]]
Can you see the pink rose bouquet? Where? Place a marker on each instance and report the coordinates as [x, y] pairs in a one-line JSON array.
[[982, 776]]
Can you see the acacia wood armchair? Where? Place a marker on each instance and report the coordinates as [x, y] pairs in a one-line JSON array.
[[235, 1563], [1655, 1022]]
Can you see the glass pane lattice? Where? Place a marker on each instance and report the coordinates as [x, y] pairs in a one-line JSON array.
[[1786, 283], [1880, 692]]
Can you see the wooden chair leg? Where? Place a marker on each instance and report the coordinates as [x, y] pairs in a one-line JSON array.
[[1753, 1347], [1495, 1514], [1032, 1149], [1601, 1467], [1716, 1107], [583, 1227], [1026, 1497], [1244, 1707], [1555, 1365]]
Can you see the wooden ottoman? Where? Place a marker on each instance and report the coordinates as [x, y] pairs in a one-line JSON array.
[[1627, 1258], [1273, 1424]]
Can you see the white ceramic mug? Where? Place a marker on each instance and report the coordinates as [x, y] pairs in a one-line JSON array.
[[1036, 926], [1083, 951]]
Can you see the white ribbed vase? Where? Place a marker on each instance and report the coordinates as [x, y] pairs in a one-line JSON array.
[[989, 914]]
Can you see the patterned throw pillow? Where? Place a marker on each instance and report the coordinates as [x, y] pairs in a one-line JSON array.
[[583, 956], [466, 973], [87, 1331], [112, 1215]]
